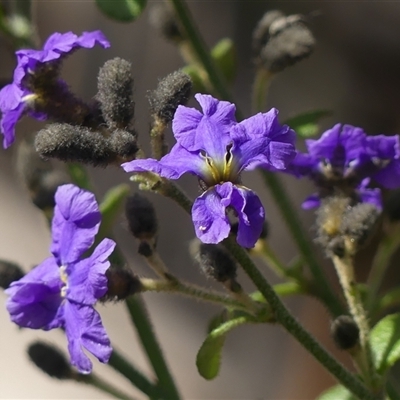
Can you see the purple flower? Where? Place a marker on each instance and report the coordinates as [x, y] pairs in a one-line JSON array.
[[19, 97], [344, 160], [62, 290], [216, 148]]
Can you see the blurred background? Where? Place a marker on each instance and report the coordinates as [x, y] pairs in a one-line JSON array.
[[354, 71]]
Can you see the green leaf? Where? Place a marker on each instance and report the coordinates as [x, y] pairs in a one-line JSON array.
[[385, 342], [337, 392], [122, 10], [306, 124], [224, 56], [208, 360]]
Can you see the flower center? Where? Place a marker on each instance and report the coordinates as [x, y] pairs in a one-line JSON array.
[[222, 170], [64, 279]]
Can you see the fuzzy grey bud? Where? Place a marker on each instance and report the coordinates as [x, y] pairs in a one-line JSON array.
[[172, 91], [76, 143], [345, 332], [281, 41], [141, 217], [9, 273], [115, 93], [214, 261], [50, 360]]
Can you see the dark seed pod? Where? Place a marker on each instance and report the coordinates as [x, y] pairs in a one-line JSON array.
[[141, 217], [121, 284], [50, 360], [214, 261], [345, 332], [9, 273]]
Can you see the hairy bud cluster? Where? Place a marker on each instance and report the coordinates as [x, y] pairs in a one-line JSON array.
[[97, 134], [214, 261], [172, 91], [9, 273], [344, 227], [280, 41], [50, 360]]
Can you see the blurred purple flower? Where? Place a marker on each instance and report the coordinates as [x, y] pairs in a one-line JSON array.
[[62, 290], [216, 148], [18, 97], [345, 159]]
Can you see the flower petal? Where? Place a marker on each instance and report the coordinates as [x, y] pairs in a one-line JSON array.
[[172, 166], [209, 218], [312, 201], [249, 209], [389, 177], [87, 281], [84, 329], [75, 223], [190, 128]]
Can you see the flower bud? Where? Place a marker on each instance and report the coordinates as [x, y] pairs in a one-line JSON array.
[[77, 143], [214, 261], [50, 360], [345, 332], [115, 93], [9, 273], [121, 283], [281, 41], [141, 217], [172, 91]]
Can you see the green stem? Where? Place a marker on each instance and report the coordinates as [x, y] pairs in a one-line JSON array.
[[200, 49], [140, 319], [284, 317], [345, 271], [324, 290], [261, 83], [190, 290], [140, 381], [293, 327], [100, 384], [281, 289], [389, 300]]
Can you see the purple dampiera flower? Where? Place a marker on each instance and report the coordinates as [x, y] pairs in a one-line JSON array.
[[62, 290], [344, 160], [21, 96], [216, 148]]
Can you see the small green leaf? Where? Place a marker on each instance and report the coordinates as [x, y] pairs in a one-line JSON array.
[[122, 10], [337, 392], [385, 342], [224, 56], [208, 358], [306, 124]]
